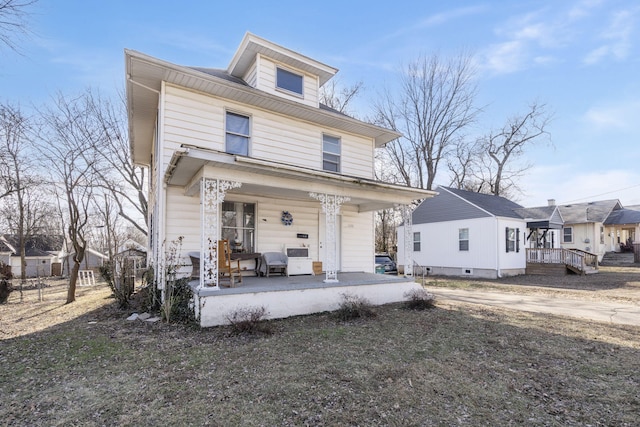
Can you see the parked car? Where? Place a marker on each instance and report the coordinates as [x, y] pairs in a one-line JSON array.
[[385, 264]]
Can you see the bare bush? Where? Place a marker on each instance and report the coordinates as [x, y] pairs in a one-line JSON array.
[[249, 320], [419, 299], [355, 307]]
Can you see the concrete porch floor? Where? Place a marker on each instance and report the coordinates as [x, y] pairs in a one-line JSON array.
[[274, 283], [289, 296]]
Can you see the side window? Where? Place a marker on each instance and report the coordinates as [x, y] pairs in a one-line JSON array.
[[601, 235], [463, 239], [237, 134], [567, 235], [512, 239], [289, 81], [416, 242], [330, 153]]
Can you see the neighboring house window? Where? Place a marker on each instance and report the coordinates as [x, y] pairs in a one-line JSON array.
[[463, 239], [330, 153], [512, 239], [237, 138], [238, 226], [416, 242], [601, 235], [288, 81], [567, 235]]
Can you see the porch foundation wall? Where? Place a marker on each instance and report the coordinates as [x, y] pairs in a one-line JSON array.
[[477, 273], [214, 309]]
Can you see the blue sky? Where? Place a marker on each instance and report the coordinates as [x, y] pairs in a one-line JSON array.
[[580, 57]]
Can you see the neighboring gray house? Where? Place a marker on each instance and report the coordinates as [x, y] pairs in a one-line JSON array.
[[465, 233], [41, 253]]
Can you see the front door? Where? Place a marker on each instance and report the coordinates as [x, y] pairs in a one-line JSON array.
[[322, 238]]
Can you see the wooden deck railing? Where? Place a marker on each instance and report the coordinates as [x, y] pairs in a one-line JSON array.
[[574, 258]]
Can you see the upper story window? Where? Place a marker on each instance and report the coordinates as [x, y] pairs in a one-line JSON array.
[[330, 153], [237, 134], [463, 239], [288, 81], [567, 235]]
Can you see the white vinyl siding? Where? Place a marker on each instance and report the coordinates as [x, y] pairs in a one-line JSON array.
[[197, 119], [266, 81]]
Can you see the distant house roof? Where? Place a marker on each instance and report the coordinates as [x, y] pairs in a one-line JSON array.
[[452, 204], [623, 216], [42, 242], [579, 213], [541, 217]]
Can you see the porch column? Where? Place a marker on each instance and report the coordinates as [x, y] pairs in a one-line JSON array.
[[407, 219], [331, 207], [212, 192]]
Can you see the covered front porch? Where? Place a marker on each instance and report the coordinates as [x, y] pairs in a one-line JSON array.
[[284, 296]]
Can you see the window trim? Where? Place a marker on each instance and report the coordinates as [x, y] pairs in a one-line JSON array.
[[564, 235], [227, 132], [339, 155], [460, 240], [284, 89]]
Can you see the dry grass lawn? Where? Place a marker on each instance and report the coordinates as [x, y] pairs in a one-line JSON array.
[[84, 364]]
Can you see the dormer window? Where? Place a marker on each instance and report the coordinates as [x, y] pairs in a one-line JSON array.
[[286, 80]]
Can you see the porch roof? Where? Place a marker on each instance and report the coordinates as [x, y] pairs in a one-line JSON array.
[[278, 180]]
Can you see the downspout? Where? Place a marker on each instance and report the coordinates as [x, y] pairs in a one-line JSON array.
[[498, 272]]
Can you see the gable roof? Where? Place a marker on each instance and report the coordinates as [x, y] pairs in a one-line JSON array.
[[580, 213], [452, 204], [42, 242]]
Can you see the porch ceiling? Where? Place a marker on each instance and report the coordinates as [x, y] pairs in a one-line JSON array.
[[276, 180]]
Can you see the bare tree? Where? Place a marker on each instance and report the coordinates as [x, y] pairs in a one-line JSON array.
[[68, 127], [338, 97], [16, 131], [434, 106], [13, 21], [498, 166], [110, 155]]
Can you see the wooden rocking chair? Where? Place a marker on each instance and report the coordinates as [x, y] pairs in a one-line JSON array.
[[225, 265]]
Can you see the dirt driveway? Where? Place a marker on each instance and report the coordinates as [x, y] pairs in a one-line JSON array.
[[612, 295]]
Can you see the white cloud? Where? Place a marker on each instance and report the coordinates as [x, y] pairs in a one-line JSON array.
[[619, 116], [617, 38]]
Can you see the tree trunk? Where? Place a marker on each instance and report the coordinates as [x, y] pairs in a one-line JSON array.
[[73, 280]]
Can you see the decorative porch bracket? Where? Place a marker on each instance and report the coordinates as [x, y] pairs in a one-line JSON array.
[[331, 207], [212, 192], [407, 218]]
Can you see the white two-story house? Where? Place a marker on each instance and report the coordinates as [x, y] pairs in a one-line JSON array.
[[249, 154]]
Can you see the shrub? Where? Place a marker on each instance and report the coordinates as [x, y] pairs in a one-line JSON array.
[[122, 286], [178, 303], [5, 289], [354, 307], [249, 320], [419, 299]]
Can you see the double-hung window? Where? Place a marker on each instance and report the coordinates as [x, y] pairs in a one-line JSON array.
[[286, 80], [567, 235], [330, 153], [512, 239], [416, 241], [237, 134], [463, 239]]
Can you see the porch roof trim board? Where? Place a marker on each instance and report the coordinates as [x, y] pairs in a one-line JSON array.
[[190, 165], [145, 75]]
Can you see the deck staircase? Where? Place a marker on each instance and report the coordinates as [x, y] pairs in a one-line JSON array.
[[560, 261]]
